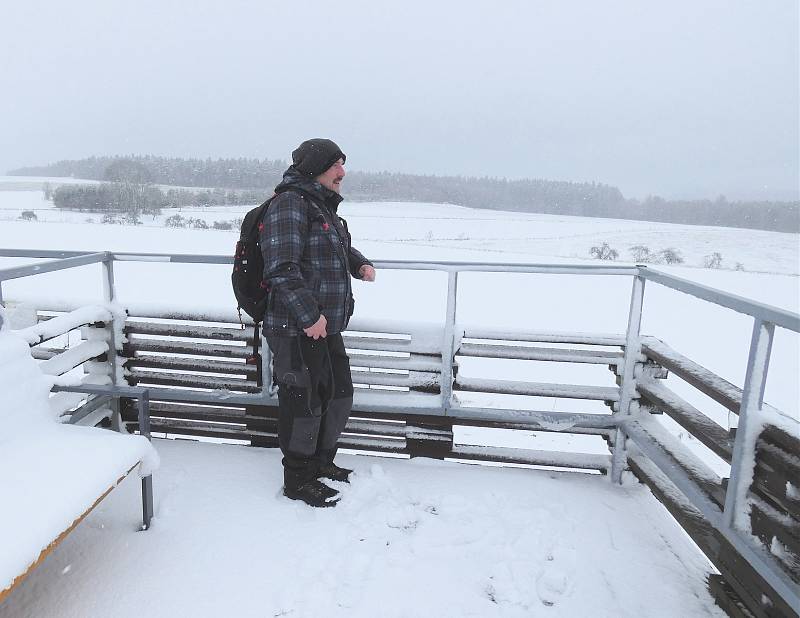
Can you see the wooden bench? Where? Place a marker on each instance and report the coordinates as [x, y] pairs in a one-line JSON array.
[[53, 474]]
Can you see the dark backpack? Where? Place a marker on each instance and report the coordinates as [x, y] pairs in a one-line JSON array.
[[249, 287], [247, 278]]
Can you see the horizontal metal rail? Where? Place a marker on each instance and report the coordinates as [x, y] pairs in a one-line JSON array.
[[767, 313], [16, 272]]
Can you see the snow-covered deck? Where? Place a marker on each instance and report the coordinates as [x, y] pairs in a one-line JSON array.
[[410, 538]]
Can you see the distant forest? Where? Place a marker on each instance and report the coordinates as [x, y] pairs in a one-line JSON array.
[[254, 177]]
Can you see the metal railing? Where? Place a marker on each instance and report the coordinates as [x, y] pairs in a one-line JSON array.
[[765, 318]]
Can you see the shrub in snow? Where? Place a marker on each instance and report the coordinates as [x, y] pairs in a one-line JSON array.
[[604, 252], [175, 221], [713, 261], [670, 255], [640, 254], [199, 224], [28, 215], [739, 266], [223, 225]]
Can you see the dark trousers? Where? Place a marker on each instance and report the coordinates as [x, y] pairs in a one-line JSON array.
[[315, 395]]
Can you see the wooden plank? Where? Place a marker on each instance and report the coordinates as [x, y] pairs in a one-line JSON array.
[[49, 549], [558, 355], [678, 455], [139, 344], [719, 389], [192, 364], [421, 381], [747, 583], [188, 430], [385, 344], [583, 461], [190, 412], [179, 329], [546, 337], [770, 477], [726, 597], [767, 524], [143, 376], [537, 389], [687, 416], [778, 437], [412, 362]]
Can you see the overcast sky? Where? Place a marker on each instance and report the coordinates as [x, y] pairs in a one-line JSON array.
[[681, 98]]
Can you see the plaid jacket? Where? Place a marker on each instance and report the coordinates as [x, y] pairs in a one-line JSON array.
[[308, 258]]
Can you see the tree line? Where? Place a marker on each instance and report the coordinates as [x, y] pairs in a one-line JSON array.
[[250, 181]]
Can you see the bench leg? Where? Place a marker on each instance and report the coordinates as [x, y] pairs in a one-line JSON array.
[[147, 501], [147, 482]]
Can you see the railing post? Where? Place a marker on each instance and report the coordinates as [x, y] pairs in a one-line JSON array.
[[747, 432], [633, 348], [109, 289], [448, 347], [110, 296]]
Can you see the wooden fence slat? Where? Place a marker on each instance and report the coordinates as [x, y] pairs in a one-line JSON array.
[[687, 416], [180, 329]]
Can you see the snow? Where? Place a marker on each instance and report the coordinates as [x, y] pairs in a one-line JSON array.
[[50, 473], [409, 538]]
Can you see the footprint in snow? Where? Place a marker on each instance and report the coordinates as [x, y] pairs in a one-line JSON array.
[[551, 585]]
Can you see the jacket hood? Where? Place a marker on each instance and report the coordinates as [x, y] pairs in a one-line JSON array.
[[293, 180]]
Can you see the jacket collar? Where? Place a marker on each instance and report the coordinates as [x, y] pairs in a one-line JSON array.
[[293, 180]]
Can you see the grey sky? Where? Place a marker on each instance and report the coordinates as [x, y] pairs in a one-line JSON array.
[[682, 98]]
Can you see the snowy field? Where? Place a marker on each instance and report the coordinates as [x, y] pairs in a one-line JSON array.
[[409, 539], [460, 542]]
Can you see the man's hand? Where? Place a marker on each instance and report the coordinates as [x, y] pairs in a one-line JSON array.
[[318, 329], [367, 272]]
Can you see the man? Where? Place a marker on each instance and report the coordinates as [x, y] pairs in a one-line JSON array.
[[308, 262]]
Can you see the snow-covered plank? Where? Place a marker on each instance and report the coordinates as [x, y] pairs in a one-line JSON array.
[[188, 380], [603, 339], [647, 429], [165, 409], [538, 389], [371, 443], [741, 575], [390, 344], [587, 461], [424, 381], [62, 324], [71, 358], [690, 418], [140, 344], [558, 355], [178, 329], [719, 389], [539, 420], [412, 362], [154, 361]]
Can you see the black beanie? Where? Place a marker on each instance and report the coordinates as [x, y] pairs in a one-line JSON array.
[[315, 156]]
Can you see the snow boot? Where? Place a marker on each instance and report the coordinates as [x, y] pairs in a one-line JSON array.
[[313, 493], [334, 473]]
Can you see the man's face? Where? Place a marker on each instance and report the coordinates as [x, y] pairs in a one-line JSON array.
[[332, 177]]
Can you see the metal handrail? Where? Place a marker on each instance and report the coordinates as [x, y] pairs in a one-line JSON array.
[[766, 317], [768, 313]]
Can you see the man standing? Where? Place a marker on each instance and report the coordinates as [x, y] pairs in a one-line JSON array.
[[308, 262]]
